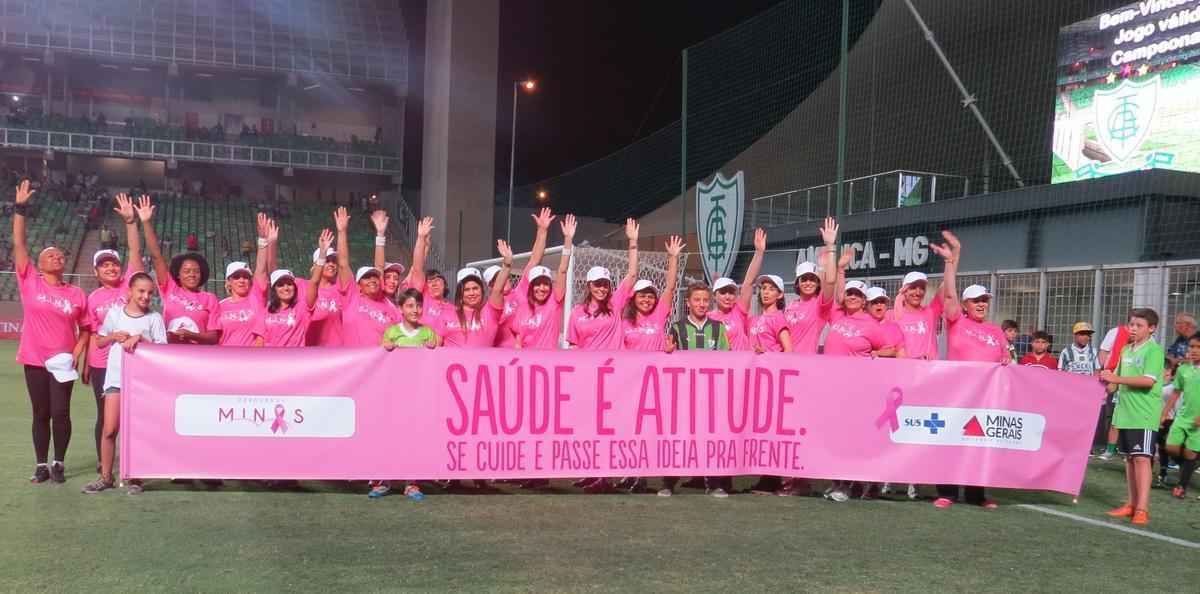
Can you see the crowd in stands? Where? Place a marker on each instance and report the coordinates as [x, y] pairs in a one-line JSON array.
[[144, 127]]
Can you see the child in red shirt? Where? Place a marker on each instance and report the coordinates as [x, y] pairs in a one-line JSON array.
[[1039, 353]]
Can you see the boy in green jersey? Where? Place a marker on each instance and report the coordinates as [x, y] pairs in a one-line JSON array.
[[1183, 441], [1138, 378], [409, 333]]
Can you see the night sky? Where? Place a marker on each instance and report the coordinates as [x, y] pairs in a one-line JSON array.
[[609, 73]]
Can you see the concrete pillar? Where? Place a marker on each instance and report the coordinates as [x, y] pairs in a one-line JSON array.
[[458, 158]]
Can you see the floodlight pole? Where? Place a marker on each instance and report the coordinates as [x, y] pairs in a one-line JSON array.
[[512, 161], [968, 99], [843, 67]]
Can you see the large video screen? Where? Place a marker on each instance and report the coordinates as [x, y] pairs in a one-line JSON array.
[[1128, 94]]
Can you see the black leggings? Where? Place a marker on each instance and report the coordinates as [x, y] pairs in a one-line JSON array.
[[96, 377], [51, 402]]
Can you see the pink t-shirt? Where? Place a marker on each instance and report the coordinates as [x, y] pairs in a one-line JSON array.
[[480, 330], [920, 328], [892, 335], [50, 317], [512, 302], [236, 318], [765, 330], [598, 333], [806, 318], [539, 325], [433, 310], [649, 333], [854, 335], [179, 302], [325, 327], [98, 304], [286, 327], [736, 322], [968, 340], [364, 320]]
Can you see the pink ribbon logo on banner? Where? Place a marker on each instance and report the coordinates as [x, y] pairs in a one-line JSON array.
[[433, 414], [894, 400], [279, 424]]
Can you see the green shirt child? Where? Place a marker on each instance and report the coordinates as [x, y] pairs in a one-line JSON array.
[[1140, 408], [401, 336]]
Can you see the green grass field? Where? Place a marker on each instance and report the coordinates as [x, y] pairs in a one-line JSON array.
[[331, 538]]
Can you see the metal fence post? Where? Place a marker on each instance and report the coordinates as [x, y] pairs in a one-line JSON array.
[[1043, 295], [1098, 301]]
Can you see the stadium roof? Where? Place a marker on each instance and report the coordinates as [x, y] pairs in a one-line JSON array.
[[359, 39]]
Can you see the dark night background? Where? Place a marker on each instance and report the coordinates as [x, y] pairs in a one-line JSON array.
[[608, 74]]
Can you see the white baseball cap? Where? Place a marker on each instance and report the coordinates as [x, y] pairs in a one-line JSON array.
[[364, 271], [539, 272], [856, 285], [466, 272], [182, 323], [643, 284], [329, 254], [102, 255], [914, 277], [490, 273], [62, 366], [723, 282], [804, 268], [235, 267], [398, 267], [596, 273], [281, 273], [771, 278], [876, 293], [975, 292]]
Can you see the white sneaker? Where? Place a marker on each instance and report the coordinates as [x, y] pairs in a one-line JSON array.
[[837, 495], [664, 493], [718, 493], [886, 489], [1106, 456], [912, 492]]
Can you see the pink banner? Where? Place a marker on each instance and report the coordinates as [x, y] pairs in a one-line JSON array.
[[316, 413]]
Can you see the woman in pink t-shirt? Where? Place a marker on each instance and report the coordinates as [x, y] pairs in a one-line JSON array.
[[114, 287], [187, 307], [810, 312], [769, 330], [367, 312], [394, 281], [54, 338], [769, 334], [917, 321], [643, 326], [969, 337], [537, 323], [595, 324], [515, 297], [733, 303], [473, 322], [289, 310], [233, 322], [644, 317], [893, 339]]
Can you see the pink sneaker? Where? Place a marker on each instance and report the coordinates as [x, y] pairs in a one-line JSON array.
[[989, 504], [942, 502]]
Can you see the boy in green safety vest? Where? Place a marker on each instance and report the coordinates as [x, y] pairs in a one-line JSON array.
[[698, 332]]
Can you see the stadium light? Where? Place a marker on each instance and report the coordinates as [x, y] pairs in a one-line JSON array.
[[530, 86], [15, 98], [542, 195]]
